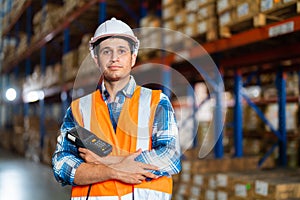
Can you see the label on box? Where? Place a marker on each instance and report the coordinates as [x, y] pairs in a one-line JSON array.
[[222, 5], [222, 180], [240, 190], [196, 191], [182, 189], [288, 1], [243, 9], [202, 27], [210, 195], [185, 177], [179, 197], [202, 13], [222, 195], [186, 166], [212, 183], [266, 5], [261, 188], [225, 18], [192, 5], [191, 18], [281, 29], [178, 19], [198, 179], [189, 30]]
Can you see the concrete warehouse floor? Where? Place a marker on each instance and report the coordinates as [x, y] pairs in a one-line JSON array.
[[21, 179]]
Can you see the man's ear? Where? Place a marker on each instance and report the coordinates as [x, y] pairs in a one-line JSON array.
[[133, 59], [95, 58]]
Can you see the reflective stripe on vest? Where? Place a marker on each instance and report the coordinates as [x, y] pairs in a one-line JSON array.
[[85, 108], [143, 119], [133, 131]]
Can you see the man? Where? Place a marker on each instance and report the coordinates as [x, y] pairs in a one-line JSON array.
[[138, 122]]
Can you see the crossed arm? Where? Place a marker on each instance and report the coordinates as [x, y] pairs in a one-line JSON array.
[[125, 169]]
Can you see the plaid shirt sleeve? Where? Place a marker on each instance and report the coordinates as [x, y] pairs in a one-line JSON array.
[[65, 159], [165, 151]]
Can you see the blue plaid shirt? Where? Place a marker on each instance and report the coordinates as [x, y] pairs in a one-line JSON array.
[[165, 151]]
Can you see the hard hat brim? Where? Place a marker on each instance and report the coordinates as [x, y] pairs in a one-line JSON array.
[[95, 39]]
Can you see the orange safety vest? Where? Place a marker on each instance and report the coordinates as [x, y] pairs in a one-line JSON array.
[[134, 131]]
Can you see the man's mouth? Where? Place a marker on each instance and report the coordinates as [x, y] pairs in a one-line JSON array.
[[112, 67]]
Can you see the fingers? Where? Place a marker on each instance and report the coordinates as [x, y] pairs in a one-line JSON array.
[[150, 175], [136, 154], [82, 150], [148, 166], [139, 151]]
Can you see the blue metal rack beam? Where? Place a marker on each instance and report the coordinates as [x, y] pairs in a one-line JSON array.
[[144, 8], [238, 115], [28, 61], [102, 12], [66, 49], [41, 101], [262, 117], [191, 94], [43, 70], [280, 133], [218, 125], [281, 90]]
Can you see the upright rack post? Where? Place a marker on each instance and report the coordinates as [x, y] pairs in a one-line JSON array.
[[66, 48], [143, 8], [218, 125], [238, 115], [191, 94], [27, 61], [281, 90], [41, 99], [43, 70], [102, 12]]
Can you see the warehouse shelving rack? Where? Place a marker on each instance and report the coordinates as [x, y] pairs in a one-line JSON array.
[[237, 45], [63, 30], [258, 36]]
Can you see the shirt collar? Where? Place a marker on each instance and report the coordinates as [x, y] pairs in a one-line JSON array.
[[127, 90]]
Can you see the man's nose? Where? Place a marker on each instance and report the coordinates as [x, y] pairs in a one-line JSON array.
[[115, 56]]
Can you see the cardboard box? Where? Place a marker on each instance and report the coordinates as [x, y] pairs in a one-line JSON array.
[[224, 5], [246, 9], [267, 5]]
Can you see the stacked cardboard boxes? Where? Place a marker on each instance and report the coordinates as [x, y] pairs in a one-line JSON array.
[[70, 6], [277, 184], [201, 19], [150, 36], [46, 19], [70, 65], [194, 18], [50, 139]]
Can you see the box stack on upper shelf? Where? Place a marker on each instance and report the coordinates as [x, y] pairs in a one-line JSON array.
[[237, 16], [11, 16], [46, 19], [201, 20], [196, 19], [150, 36], [70, 6]]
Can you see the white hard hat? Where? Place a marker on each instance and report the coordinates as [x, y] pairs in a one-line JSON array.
[[114, 27]]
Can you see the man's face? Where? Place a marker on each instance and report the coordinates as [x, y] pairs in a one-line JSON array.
[[115, 59]]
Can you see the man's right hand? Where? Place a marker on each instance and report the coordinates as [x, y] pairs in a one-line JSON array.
[[131, 171]]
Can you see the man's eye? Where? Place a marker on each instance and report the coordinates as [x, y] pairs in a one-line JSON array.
[[122, 51], [106, 52]]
